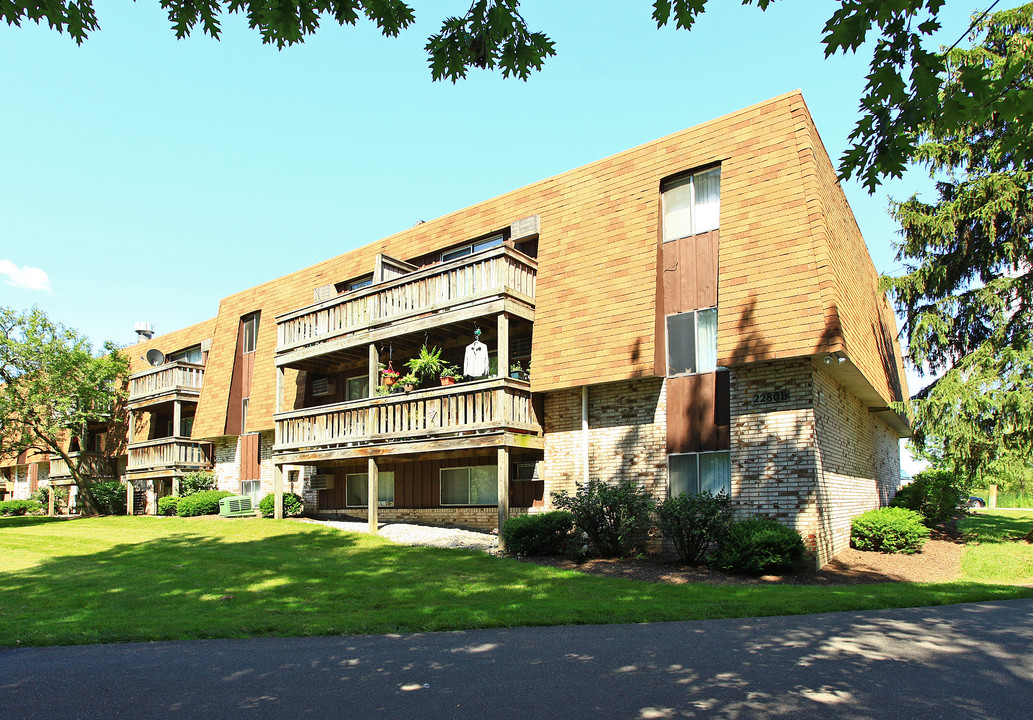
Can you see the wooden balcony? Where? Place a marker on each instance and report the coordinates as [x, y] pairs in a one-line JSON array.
[[91, 464], [176, 380], [492, 281], [444, 418], [169, 454]]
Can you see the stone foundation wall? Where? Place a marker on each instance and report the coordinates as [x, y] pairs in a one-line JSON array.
[[627, 431], [227, 463], [475, 518]]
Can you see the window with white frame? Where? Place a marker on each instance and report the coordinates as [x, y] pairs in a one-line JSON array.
[[693, 473], [692, 342], [471, 248], [356, 489], [692, 204], [253, 489], [477, 485]]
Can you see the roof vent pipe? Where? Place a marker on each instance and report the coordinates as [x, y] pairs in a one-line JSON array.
[[144, 331]]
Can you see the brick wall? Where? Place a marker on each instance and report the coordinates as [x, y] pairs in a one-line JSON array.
[[859, 462], [475, 518], [227, 463], [627, 430]]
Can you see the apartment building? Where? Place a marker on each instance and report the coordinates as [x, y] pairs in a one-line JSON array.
[[699, 312]]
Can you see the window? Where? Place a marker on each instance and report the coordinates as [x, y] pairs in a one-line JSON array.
[[358, 387], [356, 489], [362, 282], [249, 330], [470, 485], [190, 355], [253, 489], [692, 473], [243, 413], [692, 342], [471, 248], [692, 204]]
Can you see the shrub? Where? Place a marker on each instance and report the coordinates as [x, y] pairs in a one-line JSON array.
[[202, 503], [542, 534], [758, 545], [889, 530], [20, 507], [614, 517], [110, 497], [42, 496], [936, 494], [292, 505], [694, 522], [195, 482], [168, 505]]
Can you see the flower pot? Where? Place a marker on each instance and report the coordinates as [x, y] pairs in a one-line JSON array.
[[448, 381], [408, 388], [389, 380]]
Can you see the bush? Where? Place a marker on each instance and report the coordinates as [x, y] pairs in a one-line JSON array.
[[42, 496], [110, 497], [202, 503], [168, 505], [614, 517], [20, 507], [292, 505], [759, 545], [694, 522], [195, 482], [542, 534], [889, 530], [937, 495]]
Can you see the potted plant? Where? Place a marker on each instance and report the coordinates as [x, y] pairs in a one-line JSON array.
[[408, 381], [428, 365], [449, 374], [388, 375], [516, 371]]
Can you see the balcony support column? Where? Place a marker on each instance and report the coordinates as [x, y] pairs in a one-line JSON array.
[[278, 492], [175, 486], [132, 427], [130, 500], [50, 501], [177, 418], [503, 474], [374, 376], [503, 341], [373, 495]]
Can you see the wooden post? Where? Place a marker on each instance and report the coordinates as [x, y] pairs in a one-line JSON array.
[[373, 495], [503, 473], [132, 426], [175, 486], [374, 377], [503, 341], [50, 500], [177, 418], [991, 502], [279, 404], [278, 491], [129, 498]]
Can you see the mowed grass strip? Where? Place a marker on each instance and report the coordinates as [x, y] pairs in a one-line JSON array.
[[998, 553], [123, 579]]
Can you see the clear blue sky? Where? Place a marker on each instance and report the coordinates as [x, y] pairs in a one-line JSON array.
[[149, 177]]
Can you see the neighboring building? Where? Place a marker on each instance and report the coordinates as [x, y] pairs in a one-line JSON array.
[[699, 312]]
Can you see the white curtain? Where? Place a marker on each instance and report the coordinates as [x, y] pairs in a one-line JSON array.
[[677, 201], [706, 340], [715, 472], [708, 200]]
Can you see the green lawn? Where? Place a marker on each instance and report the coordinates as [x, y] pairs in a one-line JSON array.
[[122, 579], [998, 555]]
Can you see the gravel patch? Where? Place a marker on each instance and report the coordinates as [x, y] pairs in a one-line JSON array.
[[406, 534]]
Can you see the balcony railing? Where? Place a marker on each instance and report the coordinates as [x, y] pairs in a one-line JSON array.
[[483, 405], [491, 273], [176, 377], [91, 464], [170, 453]]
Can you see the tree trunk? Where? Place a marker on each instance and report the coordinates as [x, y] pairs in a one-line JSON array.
[[1029, 536]]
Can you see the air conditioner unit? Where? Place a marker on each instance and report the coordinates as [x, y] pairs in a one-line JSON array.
[[322, 387], [525, 229], [321, 481], [526, 471]]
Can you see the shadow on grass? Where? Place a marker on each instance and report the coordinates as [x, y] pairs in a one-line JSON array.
[[18, 521], [992, 527], [298, 580]]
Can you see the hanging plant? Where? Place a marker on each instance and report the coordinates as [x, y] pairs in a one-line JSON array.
[[428, 365], [388, 374]]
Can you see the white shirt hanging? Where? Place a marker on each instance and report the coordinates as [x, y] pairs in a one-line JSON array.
[[476, 361]]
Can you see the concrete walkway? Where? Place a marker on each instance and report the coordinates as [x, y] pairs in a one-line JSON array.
[[957, 661]]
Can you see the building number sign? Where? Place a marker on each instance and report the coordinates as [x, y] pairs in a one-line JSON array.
[[771, 396]]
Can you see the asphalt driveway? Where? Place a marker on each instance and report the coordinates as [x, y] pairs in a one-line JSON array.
[[956, 661]]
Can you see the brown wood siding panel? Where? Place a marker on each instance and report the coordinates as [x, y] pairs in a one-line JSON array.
[[250, 468], [698, 413]]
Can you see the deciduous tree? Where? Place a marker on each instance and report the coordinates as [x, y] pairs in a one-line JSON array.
[[52, 385]]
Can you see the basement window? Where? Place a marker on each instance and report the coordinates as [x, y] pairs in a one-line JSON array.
[[478, 485], [356, 490]]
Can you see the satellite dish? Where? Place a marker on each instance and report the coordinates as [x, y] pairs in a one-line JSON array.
[[155, 357]]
